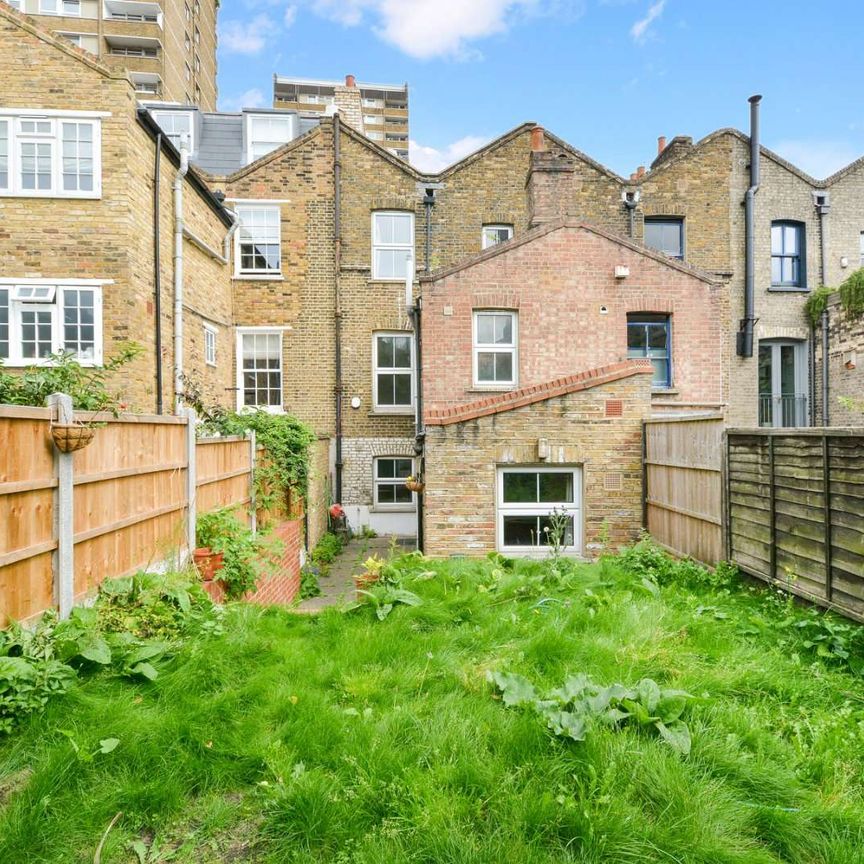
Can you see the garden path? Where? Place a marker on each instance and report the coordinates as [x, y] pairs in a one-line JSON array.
[[338, 587]]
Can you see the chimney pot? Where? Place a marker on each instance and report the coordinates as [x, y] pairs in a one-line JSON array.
[[350, 81], [661, 144], [538, 142]]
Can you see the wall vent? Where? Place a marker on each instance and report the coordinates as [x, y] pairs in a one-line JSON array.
[[614, 408], [613, 482]]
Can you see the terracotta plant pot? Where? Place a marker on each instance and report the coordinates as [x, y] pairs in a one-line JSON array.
[[416, 486], [208, 562], [69, 437]]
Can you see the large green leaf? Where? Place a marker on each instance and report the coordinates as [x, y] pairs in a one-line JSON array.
[[92, 647], [676, 735], [648, 694], [567, 724], [672, 704], [16, 668], [515, 689]]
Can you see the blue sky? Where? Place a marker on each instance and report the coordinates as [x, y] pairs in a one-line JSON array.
[[607, 75]]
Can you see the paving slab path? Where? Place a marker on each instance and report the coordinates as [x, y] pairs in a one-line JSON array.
[[338, 588]]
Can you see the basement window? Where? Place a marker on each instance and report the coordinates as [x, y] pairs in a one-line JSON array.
[[40, 319], [391, 493], [535, 503]]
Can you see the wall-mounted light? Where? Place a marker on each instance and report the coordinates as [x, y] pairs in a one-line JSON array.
[[604, 310], [622, 271], [355, 402], [844, 262]]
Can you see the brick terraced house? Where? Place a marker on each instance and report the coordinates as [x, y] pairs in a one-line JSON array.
[[545, 354], [304, 245], [79, 166]]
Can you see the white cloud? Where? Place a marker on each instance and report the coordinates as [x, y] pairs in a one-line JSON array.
[[290, 15], [253, 98], [245, 37], [432, 159], [639, 31], [818, 158], [436, 28]]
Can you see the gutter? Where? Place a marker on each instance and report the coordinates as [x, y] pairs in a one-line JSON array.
[[178, 274], [744, 342]]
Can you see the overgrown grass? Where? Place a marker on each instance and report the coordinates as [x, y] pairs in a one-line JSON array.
[[344, 738]]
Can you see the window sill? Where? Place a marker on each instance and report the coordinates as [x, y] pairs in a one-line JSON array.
[[65, 196], [664, 391], [384, 510], [501, 388], [268, 277], [788, 289], [379, 412]]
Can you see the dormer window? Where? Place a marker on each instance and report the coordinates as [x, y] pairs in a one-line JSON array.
[[176, 124], [267, 132]]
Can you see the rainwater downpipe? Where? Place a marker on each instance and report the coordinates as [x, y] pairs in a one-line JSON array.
[[631, 201], [337, 311], [744, 347], [178, 273], [822, 208], [157, 276], [429, 202]]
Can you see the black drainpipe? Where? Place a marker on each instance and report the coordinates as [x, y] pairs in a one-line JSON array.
[[337, 312], [429, 202], [822, 208], [157, 278], [744, 346], [631, 200]]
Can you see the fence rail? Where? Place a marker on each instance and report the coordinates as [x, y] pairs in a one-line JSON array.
[[795, 500], [128, 500]]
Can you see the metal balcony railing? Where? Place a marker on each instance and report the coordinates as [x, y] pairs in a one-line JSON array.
[[786, 410]]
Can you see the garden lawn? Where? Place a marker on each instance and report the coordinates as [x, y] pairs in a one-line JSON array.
[[345, 738]]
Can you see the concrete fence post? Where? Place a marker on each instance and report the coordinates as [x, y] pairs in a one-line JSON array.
[[253, 463], [64, 555], [191, 481]]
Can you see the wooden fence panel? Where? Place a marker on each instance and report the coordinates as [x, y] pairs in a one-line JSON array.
[[130, 505], [223, 470], [683, 486], [796, 512]]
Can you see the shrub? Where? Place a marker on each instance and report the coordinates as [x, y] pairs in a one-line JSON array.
[[325, 552], [244, 553], [87, 385]]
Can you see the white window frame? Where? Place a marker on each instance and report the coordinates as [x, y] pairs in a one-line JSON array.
[[211, 333], [56, 11], [260, 331], [16, 4], [485, 241], [478, 348], [15, 137], [160, 116], [572, 509], [389, 507], [239, 272], [377, 245], [44, 294], [289, 120], [394, 370], [68, 14]]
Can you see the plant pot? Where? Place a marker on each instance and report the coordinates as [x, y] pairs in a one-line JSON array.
[[208, 562], [69, 437], [417, 486]]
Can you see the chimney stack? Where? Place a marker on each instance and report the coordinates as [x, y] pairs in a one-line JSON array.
[[350, 81], [661, 144], [538, 142], [640, 172]]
